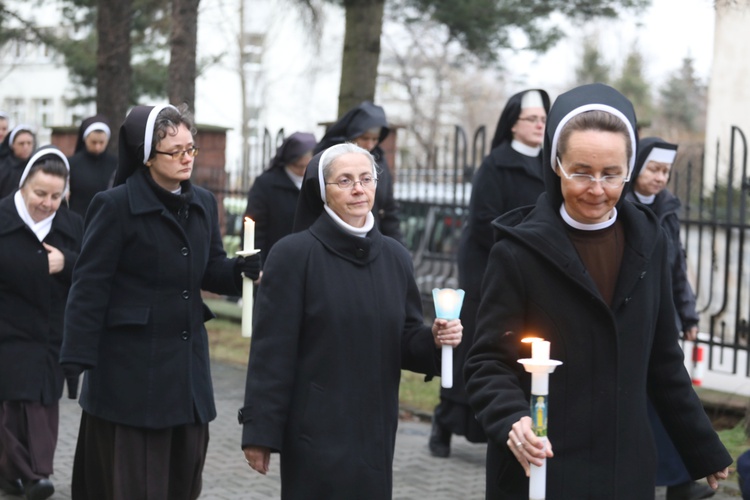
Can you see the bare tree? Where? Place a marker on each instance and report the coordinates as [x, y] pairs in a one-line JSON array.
[[183, 41], [436, 91], [113, 67], [359, 67]]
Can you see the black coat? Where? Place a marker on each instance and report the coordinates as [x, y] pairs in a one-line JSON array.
[[11, 169], [612, 358], [89, 174], [506, 180], [135, 313], [337, 317], [32, 303], [271, 203], [666, 206]]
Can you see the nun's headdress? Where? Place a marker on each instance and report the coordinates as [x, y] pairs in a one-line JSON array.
[[592, 97], [136, 135], [42, 154], [653, 149], [5, 147], [312, 196], [96, 123], [292, 148], [353, 124], [512, 110]]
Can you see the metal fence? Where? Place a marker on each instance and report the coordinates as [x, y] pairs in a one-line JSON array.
[[434, 202]]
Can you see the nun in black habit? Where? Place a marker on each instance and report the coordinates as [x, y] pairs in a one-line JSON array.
[[39, 244], [15, 151], [509, 177], [586, 271], [4, 124], [92, 167], [272, 201], [652, 170], [366, 126], [337, 316], [135, 318]]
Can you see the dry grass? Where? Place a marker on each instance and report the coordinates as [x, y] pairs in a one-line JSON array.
[[226, 343]]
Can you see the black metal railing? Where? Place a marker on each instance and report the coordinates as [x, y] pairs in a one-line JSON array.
[[434, 201]]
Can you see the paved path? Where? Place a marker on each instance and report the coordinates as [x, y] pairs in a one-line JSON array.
[[417, 475]]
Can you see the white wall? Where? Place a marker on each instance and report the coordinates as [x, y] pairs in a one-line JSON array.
[[729, 87]]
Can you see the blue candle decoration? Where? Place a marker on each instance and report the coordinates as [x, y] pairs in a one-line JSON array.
[[448, 302]]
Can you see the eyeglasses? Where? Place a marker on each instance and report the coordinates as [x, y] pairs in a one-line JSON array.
[[534, 119], [347, 183], [586, 180], [179, 154]]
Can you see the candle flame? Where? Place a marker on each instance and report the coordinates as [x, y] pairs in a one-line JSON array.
[[248, 219], [447, 298], [529, 340]]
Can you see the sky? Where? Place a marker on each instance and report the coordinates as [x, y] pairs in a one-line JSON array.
[[665, 34]]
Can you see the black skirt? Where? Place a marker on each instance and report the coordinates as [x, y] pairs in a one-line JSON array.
[[28, 437], [118, 462]]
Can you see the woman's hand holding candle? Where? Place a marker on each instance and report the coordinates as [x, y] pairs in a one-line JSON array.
[[447, 333], [526, 446]]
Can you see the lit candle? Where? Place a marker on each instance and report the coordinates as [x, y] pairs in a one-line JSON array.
[[540, 366], [247, 283], [448, 304], [540, 350], [249, 234]]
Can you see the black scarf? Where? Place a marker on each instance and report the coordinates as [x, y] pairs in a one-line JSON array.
[[177, 204]]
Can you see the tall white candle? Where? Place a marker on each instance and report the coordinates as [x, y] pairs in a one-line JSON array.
[[248, 248], [448, 304], [540, 366], [247, 307], [249, 243]]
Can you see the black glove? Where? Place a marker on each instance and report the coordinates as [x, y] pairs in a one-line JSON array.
[[248, 266], [72, 373]]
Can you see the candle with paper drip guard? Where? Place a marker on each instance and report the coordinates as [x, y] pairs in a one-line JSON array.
[[247, 283], [540, 366], [448, 304]]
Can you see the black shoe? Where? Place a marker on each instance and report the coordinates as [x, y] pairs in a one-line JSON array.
[[11, 487], [39, 489], [692, 490], [440, 440]]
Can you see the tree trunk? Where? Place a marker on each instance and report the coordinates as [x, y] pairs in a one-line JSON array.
[[183, 41], [113, 70], [359, 68]]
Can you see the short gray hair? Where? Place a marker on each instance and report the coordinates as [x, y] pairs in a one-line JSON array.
[[334, 152]]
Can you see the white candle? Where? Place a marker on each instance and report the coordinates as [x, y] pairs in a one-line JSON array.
[[247, 283], [540, 350], [249, 243], [447, 306], [247, 307], [446, 367]]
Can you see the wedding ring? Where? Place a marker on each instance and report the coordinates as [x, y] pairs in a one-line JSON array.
[[519, 444]]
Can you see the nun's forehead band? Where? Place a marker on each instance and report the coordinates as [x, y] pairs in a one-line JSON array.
[[595, 107]]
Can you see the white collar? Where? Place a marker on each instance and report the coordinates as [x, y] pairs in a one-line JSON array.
[[296, 179], [646, 200], [587, 227], [525, 149], [354, 231]]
